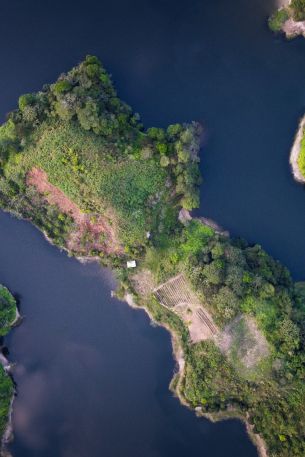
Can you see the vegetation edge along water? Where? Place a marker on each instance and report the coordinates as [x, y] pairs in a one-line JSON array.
[[77, 162], [289, 18], [297, 153], [9, 317]]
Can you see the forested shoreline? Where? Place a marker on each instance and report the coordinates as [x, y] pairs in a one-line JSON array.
[[8, 317]]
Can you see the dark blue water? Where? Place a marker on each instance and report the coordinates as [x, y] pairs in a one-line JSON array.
[[92, 374]]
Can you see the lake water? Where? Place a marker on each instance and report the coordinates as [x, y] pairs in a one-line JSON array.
[[92, 374]]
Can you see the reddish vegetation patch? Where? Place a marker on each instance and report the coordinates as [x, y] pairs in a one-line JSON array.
[[93, 232]]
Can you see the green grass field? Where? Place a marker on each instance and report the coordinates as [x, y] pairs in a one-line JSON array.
[[96, 175]]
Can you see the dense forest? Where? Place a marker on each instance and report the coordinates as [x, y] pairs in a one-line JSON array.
[[78, 163]]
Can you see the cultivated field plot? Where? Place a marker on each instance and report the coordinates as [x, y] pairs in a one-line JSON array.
[[177, 295]]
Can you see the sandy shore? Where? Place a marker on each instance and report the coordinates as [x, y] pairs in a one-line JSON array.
[[295, 151]]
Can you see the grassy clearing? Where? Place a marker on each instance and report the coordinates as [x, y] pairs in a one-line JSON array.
[[87, 169]]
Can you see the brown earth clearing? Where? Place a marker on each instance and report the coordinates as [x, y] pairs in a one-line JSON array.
[[94, 232]]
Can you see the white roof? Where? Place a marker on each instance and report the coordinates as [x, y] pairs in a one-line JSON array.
[[131, 264]]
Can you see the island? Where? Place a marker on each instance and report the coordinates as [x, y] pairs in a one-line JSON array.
[[77, 162], [289, 18], [9, 316]]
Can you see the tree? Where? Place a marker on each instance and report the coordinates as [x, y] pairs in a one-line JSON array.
[[214, 272], [227, 304], [164, 161], [88, 116], [234, 278], [289, 335], [63, 110], [162, 148], [62, 86], [93, 70], [183, 155], [156, 133], [92, 60], [190, 201], [25, 100], [174, 130], [217, 250]]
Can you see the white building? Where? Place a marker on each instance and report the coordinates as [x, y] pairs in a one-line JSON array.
[[131, 264]]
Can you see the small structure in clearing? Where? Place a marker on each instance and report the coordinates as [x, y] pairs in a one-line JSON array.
[[131, 264], [177, 295]]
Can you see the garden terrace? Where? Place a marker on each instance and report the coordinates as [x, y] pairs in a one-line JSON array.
[[177, 295]]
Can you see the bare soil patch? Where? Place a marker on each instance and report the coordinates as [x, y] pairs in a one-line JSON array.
[[243, 342], [177, 295], [293, 28], [94, 232]]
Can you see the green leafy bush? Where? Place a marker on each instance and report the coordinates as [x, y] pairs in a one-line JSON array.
[[277, 20], [61, 87], [7, 310]]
